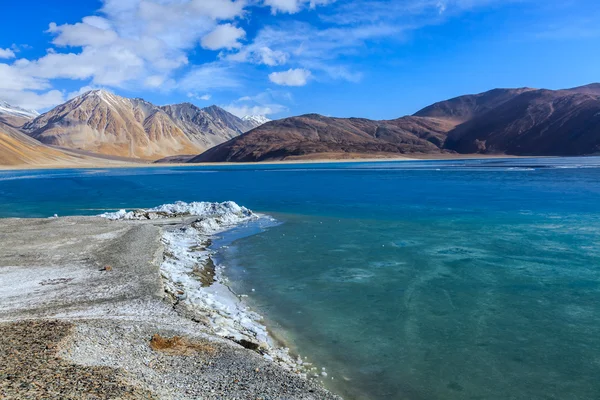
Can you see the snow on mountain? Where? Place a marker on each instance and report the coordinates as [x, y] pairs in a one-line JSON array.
[[256, 119], [6, 108]]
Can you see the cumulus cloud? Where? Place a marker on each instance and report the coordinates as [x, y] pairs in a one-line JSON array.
[[13, 78], [23, 90], [7, 53], [92, 31], [152, 45], [291, 77], [224, 36], [33, 100], [132, 43]]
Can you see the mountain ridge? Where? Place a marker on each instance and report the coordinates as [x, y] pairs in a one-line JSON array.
[[18, 149], [521, 121], [469, 124], [311, 134], [256, 119], [15, 116], [102, 122], [543, 122]]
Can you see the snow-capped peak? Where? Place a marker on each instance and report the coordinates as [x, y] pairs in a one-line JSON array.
[[258, 119], [101, 93], [107, 97], [6, 108]]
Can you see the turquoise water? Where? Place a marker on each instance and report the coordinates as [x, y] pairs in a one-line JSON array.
[[425, 280]]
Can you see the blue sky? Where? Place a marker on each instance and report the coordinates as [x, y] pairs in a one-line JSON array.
[[377, 59]]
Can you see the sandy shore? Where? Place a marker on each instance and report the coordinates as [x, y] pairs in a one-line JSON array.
[[84, 313], [413, 157]]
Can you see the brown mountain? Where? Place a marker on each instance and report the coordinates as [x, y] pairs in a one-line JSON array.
[[230, 120], [540, 122], [464, 108], [101, 122], [313, 134], [520, 121], [592, 88], [206, 127], [15, 116], [18, 149]]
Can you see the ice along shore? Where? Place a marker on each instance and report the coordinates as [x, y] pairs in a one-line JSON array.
[[131, 305]]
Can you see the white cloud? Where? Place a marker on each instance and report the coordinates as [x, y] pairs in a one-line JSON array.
[[92, 31], [264, 103], [291, 77], [154, 81], [270, 57], [259, 55], [317, 49], [82, 90], [224, 36], [243, 110], [286, 6], [204, 97], [207, 77], [219, 9], [6, 53], [133, 43], [20, 89], [145, 44], [293, 6], [110, 66], [33, 100], [415, 13], [13, 78]]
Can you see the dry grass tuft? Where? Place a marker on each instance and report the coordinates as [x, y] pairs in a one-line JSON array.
[[180, 346]]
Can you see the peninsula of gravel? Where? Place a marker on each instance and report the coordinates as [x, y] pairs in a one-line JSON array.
[[130, 305]]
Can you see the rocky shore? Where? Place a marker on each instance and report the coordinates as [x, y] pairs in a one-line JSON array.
[[86, 312]]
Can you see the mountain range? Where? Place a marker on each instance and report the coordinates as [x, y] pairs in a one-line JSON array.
[[101, 126], [101, 122], [524, 122], [15, 116]]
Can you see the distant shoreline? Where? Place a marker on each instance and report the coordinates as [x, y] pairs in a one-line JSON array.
[[420, 157]]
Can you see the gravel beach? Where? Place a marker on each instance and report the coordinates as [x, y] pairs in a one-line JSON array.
[[84, 314]]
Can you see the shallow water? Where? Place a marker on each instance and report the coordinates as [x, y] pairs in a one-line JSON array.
[[427, 280]]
